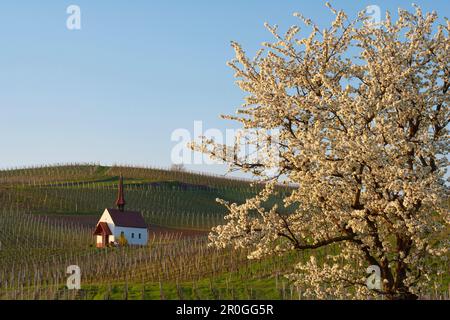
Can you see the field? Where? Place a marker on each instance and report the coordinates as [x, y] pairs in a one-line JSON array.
[[47, 216]]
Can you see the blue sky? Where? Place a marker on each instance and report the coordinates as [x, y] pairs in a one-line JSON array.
[[114, 91]]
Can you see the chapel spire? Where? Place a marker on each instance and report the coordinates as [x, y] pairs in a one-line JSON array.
[[120, 202]]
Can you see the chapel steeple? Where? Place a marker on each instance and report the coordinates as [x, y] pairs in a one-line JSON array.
[[120, 202]]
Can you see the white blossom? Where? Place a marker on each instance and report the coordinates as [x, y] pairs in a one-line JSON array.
[[363, 145]]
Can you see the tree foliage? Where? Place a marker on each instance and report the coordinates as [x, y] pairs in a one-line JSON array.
[[362, 113]]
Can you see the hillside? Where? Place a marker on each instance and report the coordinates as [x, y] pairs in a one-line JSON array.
[[167, 198], [47, 216]]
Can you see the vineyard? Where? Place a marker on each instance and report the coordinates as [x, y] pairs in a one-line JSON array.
[[47, 216]]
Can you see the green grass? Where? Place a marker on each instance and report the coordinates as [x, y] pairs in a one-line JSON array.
[[219, 289], [247, 283]]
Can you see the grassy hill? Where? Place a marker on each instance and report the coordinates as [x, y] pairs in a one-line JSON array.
[[169, 198], [47, 215]]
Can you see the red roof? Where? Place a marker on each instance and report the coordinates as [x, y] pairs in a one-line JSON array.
[[130, 219], [102, 229]]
